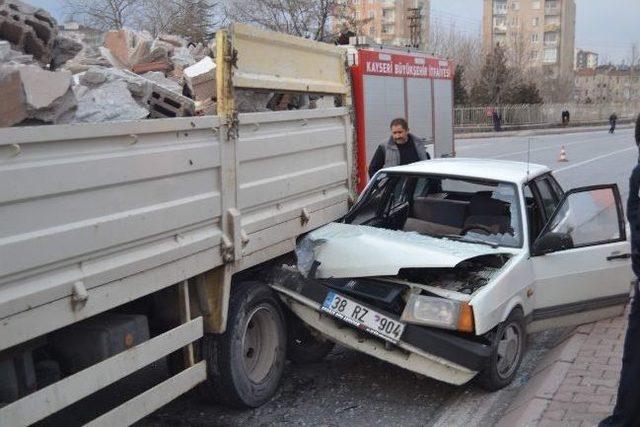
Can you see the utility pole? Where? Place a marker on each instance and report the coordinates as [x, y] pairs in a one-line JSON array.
[[415, 26]]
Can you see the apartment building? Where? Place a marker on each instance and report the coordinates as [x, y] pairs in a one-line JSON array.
[[540, 33], [389, 22], [607, 83], [585, 59]]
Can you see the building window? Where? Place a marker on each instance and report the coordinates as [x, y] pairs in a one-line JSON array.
[[535, 22], [372, 14], [550, 56], [535, 4], [372, 31], [515, 21], [357, 14], [499, 7], [534, 55], [550, 37], [515, 5], [535, 38], [500, 22]]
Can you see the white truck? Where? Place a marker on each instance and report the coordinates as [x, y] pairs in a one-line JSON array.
[[125, 243]]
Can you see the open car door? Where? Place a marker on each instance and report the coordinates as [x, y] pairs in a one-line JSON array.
[[582, 260]]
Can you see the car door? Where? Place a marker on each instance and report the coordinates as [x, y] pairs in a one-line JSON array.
[[581, 260]]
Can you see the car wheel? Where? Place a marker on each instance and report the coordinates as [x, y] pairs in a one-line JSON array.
[[246, 362], [507, 351], [303, 346]]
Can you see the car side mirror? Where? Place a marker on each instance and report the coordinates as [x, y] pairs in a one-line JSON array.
[[552, 242]]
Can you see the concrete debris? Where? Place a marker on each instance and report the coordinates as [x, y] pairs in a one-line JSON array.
[[29, 30], [52, 102], [182, 58], [200, 79], [165, 103], [206, 108], [139, 88], [13, 108], [248, 101], [128, 47], [5, 49], [64, 49], [109, 102], [160, 79], [173, 40]]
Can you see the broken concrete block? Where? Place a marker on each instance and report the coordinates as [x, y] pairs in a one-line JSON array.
[[173, 40], [151, 66], [182, 58], [13, 107], [206, 108], [159, 78], [64, 49], [28, 29], [248, 101], [128, 47], [200, 79], [109, 102], [48, 94], [5, 49], [93, 77], [165, 103]]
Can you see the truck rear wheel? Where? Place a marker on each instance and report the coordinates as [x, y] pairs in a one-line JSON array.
[[246, 362], [303, 346]]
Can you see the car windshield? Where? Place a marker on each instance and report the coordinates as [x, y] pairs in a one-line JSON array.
[[466, 209]]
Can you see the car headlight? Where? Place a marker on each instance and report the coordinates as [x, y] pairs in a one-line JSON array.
[[438, 312]]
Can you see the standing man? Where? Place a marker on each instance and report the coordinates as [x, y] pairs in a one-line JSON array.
[[638, 135], [627, 410], [402, 148], [612, 121]]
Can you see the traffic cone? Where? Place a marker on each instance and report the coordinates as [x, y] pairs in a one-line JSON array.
[[563, 155]]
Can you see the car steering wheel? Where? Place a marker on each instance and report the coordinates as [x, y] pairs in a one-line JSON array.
[[480, 227]]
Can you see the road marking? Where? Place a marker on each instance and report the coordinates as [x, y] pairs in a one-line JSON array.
[[575, 165]]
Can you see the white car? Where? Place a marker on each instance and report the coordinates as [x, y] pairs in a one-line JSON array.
[[442, 267]]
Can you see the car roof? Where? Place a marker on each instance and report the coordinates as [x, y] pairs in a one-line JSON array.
[[495, 170]]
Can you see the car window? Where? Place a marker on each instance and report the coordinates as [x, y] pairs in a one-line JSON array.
[[441, 206], [588, 217], [548, 196]]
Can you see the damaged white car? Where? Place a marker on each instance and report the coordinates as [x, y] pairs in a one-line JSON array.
[[442, 267]]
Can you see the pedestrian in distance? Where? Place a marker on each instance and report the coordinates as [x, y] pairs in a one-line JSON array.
[[638, 136], [497, 121], [402, 148], [613, 119], [627, 410]]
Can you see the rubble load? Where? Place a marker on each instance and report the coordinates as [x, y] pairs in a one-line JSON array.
[[74, 74]]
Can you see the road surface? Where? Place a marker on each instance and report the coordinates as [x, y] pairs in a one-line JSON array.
[[352, 389]]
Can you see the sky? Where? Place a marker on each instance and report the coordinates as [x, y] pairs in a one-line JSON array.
[[607, 27]]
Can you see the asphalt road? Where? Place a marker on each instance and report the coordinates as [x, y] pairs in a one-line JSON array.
[[356, 390]]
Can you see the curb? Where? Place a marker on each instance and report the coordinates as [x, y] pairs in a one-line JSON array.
[[531, 403], [534, 132]]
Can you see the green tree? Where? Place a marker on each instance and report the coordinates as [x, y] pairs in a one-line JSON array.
[[524, 93], [460, 95]]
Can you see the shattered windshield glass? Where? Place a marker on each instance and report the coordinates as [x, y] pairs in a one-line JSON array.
[[465, 209]]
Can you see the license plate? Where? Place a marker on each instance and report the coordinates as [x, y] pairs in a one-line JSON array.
[[362, 317]]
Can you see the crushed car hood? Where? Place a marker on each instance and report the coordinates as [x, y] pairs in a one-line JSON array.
[[345, 250]]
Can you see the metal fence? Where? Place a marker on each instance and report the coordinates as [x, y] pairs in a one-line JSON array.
[[527, 114]]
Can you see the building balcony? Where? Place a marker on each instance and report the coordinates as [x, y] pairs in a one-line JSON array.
[[549, 43], [551, 27], [498, 29], [552, 11], [388, 19], [388, 5]]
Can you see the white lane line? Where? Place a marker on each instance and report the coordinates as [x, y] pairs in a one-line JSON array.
[[575, 165]]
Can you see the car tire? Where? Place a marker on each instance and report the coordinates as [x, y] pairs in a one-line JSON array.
[[246, 362], [507, 351], [303, 347]]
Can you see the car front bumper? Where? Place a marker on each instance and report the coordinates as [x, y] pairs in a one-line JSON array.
[[428, 351]]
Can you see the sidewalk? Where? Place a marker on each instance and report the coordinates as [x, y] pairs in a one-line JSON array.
[[576, 383], [538, 132]]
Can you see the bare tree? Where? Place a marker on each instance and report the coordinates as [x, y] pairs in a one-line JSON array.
[[463, 47], [304, 18], [193, 19], [104, 14]]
